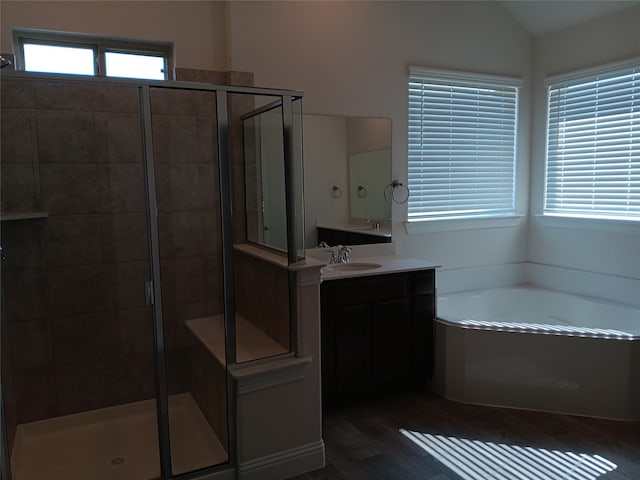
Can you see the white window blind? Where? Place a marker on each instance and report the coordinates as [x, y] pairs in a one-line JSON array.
[[593, 144], [462, 144]]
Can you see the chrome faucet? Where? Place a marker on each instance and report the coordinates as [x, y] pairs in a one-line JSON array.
[[375, 224], [340, 254]]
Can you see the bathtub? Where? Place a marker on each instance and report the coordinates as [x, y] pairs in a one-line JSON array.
[[526, 347]]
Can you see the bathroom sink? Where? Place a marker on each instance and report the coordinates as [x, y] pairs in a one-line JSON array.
[[351, 267]]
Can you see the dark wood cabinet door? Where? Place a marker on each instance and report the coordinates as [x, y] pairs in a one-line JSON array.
[[377, 334], [352, 351], [391, 346]]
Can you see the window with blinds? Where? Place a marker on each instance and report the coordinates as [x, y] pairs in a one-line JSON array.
[[593, 144], [462, 144]]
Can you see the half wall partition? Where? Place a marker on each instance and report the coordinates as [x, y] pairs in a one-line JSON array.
[[119, 296]]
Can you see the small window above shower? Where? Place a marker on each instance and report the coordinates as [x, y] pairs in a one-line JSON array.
[[78, 54]]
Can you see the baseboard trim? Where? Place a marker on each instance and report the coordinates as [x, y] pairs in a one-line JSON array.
[[288, 463]]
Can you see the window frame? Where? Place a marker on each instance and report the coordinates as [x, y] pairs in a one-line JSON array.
[[99, 44], [556, 216], [473, 220]]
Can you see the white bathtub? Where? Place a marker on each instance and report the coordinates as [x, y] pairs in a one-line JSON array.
[[526, 347]]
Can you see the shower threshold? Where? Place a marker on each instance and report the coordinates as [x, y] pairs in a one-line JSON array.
[[115, 443]]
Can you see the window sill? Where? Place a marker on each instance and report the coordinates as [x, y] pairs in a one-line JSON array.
[[585, 223], [451, 224]]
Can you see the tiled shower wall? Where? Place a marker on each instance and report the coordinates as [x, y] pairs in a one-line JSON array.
[[79, 333], [78, 328]]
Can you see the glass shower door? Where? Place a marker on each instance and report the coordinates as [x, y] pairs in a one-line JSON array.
[[185, 156], [78, 352]]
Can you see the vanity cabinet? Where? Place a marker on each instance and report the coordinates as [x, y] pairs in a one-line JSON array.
[[377, 334], [334, 236]]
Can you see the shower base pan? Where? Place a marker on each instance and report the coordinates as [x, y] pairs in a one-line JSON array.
[[115, 443]]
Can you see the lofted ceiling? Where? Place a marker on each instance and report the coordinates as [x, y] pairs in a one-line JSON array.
[[544, 16]]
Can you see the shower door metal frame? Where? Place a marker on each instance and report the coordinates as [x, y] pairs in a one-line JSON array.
[[153, 287], [5, 466]]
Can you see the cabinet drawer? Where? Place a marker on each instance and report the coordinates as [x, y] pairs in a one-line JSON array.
[[363, 290]]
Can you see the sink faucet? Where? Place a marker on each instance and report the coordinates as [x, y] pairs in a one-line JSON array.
[[340, 254], [375, 224]]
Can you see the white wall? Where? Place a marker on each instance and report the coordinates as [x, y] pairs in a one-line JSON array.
[[352, 58], [198, 28], [609, 39]]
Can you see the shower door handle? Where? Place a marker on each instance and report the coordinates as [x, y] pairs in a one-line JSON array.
[[148, 290]]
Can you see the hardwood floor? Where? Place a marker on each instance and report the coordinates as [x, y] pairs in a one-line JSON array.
[[364, 442]]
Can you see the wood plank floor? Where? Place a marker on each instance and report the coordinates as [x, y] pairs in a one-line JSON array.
[[364, 442]]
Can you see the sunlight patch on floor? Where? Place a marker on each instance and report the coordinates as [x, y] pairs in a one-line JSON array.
[[477, 460]]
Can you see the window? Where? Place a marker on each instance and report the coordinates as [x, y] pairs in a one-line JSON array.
[[593, 143], [462, 144], [69, 53]]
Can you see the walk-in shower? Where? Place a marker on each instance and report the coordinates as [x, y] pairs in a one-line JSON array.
[[122, 298]]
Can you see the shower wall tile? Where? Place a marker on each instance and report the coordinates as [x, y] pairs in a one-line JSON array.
[[135, 327], [118, 138], [23, 244], [188, 279], [177, 363], [125, 285], [243, 79], [124, 237], [15, 93], [87, 386], [25, 294], [73, 240], [85, 338], [122, 188], [19, 141], [208, 387], [184, 139], [90, 96], [61, 95], [189, 233], [182, 102], [186, 187], [204, 76], [268, 306], [30, 346], [19, 192], [35, 394], [69, 189], [76, 290], [66, 137], [109, 97]]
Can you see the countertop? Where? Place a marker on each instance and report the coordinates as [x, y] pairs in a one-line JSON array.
[[388, 264]]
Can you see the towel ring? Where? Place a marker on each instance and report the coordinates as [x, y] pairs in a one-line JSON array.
[[391, 192], [336, 192], [362, 192]]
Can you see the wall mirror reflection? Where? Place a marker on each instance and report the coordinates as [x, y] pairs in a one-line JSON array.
[[263, 152], [347, 165]]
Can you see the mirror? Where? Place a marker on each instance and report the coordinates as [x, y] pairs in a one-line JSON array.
[[347, 165], [263, 154]]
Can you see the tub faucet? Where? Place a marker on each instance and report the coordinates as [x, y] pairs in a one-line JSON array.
[[340, 254]]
